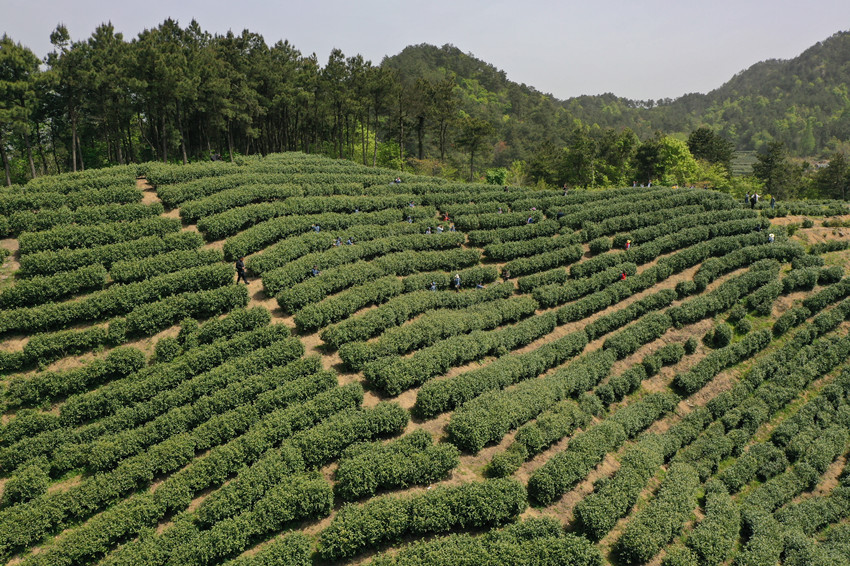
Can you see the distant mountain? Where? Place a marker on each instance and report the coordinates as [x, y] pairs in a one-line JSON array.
[[803, 101]]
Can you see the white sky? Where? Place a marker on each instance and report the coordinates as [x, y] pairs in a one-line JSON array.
[[637, 49]]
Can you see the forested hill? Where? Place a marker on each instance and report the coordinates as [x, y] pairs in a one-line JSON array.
[[178, 93], [802, 102]]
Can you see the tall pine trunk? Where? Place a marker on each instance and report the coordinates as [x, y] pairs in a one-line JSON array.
[[182, 133], [164, 141], [420, 132], [5, 162], [80, 151], [73, 142], [230, 140], [375, 149]]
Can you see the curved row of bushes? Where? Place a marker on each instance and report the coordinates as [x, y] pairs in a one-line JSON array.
[[435, 326], [29, 221], [118, 299], [388, 519], [51, 262], [394, 375], [413, 459], [74, 236], [400, 309]]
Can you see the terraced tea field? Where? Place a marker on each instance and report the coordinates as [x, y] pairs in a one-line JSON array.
[[417, 373]]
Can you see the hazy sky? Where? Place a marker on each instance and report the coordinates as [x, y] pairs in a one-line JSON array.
[[634, 48]]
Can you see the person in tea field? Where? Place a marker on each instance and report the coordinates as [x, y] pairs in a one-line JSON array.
[[770, 238], [452, 227], [440, 229], [530, 220], [457, 282], [623, 276], [240, 270], [772, 202], [433, 286], [480, 286], [349, 242], [506, 274], [315, 271], [628, 245], [428, 230]]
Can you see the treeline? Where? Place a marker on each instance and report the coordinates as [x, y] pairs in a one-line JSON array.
[[177, 94]]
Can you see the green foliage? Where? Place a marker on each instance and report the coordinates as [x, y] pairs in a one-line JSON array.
[[126, 271], [73, 236], [532, 438], [779, 176], [565, 469], [438, 396], [437, 325], [394, 375], [50, 262], [399, 309], [706, 144], [29, 221], [714, 538], [167, 348], [486, 419], [388, 519], [657, 523], [534, 541], [698, 376], [410, 460], [25, 484], [293, 549], [49, 288], [719, 336]]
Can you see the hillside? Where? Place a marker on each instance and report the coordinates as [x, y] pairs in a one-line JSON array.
[[802, 101], [417, 372]]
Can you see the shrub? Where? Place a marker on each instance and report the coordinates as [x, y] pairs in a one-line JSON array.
[[599, 512], [410, 460], [567, 468], [26, 483], [534, 437], [719, 336], [389, 519], [439, 396], [166, 349], [599, 245], [743, 326], [52, 262], [714, 538], [657, 523], [488, 418], [46, 289]]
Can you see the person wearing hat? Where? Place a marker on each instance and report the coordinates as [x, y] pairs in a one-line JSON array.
[[457, 282], [628, 244]]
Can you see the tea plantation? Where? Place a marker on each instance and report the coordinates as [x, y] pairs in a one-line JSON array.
[[417, 372]]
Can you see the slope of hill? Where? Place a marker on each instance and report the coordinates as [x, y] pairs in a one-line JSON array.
[[802, 101], [451, 373]]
